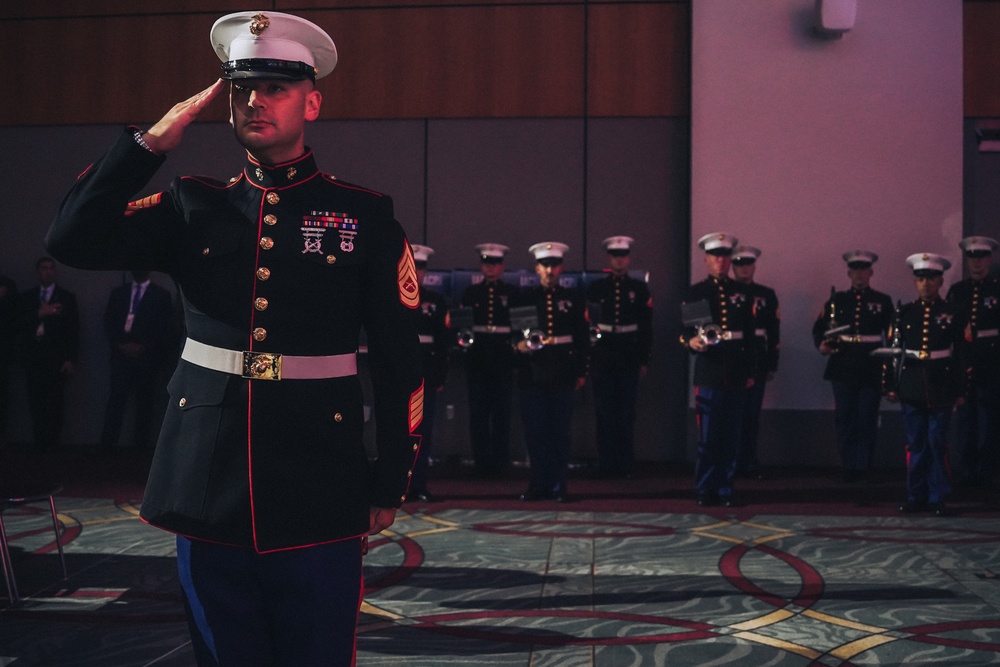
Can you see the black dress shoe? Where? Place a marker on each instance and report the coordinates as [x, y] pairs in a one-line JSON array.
[[420, 496], [728, 501], [532, 494], [560, 497], [938, 508], [912, 507], [707, 500]]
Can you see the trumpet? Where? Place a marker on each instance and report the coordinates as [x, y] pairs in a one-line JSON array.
[[466, 338], [534, 339], [462, 320], [833, 328], [710, 334], [595, 335]]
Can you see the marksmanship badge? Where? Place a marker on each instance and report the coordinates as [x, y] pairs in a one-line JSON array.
[[315, 224]]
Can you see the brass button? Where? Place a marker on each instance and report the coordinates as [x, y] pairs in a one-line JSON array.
[[263, 273], [270, 219], [266, 243], [402, 499], [273, 198], [337, 417], [416, 447], [330, 259], [409, 474], [259, 334], [182, 402], [205, 251], [260, 303]]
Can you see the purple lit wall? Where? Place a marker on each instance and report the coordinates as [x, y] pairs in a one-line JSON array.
[[807, 147]]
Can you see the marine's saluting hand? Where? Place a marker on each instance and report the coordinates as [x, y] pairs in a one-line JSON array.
[[166, 134]]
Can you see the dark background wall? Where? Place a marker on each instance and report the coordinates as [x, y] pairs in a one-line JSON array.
[[505, 121]]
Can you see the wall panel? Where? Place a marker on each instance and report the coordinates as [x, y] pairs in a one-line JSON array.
[[981, 28], [487, 60], [638, 60], [93, 8], [459, 62], [106, 70]]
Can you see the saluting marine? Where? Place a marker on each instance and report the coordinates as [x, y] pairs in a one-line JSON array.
[[547, 377], [434, 330], [723, 369], [766, 347], [928, 334], [489, 363], [852, 323], [620, 356], [977, 420], [260, 467]]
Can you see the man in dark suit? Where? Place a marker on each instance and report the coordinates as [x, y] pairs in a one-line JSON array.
[[137, 323], [10, 312], [723, 370], [50, 337], [260, 468]]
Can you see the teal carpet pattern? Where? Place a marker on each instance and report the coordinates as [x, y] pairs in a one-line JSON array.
[[540, 584]]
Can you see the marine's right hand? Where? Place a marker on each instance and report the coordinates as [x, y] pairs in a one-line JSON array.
[[166, 134]]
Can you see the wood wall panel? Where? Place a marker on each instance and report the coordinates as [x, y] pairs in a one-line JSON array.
[[982, 63], [459, 62], [293, 6], [105, 8], [125, 60], [105, 70], [639, 60]]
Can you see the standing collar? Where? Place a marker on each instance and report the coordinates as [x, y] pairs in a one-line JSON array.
[[282, 175]]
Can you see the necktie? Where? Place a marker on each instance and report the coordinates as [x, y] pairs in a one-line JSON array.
[[136, 296]]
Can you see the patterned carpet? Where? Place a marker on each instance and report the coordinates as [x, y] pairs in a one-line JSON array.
[[641, 577]]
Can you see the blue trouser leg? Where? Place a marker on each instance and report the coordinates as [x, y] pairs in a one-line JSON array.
[[927, 476], [856, 421], [719, 412], [547, 415], [614, 403], [750, 426], [281, 609]]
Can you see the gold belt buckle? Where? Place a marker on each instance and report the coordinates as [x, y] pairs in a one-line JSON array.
[[924, 355], [261, 365]]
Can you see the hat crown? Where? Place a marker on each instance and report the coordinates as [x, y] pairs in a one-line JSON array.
[[258, 44], [979, 244], [928, 261], [860, 256], [548, 249], [746, 252], [618, 243], [492, 249], [717, 241], [421, 253]]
